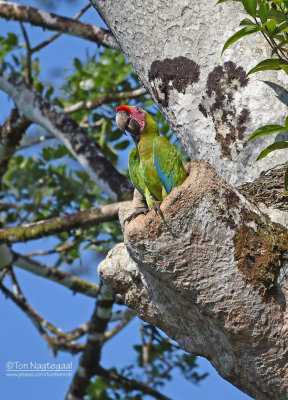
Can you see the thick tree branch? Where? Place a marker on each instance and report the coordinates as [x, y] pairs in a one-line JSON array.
[[90, 105], [10, 136], [72, 282], [89, 361], [44, 19], [37, 109], [81, 219]]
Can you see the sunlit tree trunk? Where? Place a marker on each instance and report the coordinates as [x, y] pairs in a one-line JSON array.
[[214, 277]]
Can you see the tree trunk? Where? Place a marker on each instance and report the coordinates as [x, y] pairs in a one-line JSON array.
[[214, 275]]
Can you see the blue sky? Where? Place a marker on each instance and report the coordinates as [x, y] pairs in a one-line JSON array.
[[19, 340]]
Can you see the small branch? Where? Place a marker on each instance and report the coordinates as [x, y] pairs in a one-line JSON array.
[[107, 98], [124, 314], [73, 335], [57, 35], [112, 332], [89, 361], [39, 110], [70, 281], [131, 384], [92, 216], [28, 55], [19, 294], [55, 22], [58, 249], [28, 310]]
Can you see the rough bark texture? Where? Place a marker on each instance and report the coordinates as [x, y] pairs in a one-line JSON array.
[[10, 136], [175, 47], [213, 277]]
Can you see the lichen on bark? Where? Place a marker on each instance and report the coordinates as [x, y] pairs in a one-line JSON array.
[[261, 248]]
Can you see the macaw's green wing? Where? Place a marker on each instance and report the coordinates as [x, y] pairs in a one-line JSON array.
[[168, 165], [133, 165]]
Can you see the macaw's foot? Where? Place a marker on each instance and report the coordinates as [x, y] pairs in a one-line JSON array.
[[139, 211]]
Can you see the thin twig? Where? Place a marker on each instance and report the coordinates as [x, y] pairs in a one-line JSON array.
[[28, 55], [112, 332], [58, 249], [19, 294], [27, 310], [106, 98], [40, 46]]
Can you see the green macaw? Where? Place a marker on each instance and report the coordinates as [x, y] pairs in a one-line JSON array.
[[154, 165]]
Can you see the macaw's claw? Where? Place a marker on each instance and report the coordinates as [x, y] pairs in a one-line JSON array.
[[139, 211]]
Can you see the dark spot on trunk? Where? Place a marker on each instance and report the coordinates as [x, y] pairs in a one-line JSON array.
[[230, 125], [176, 73], [203, 110], [261, 252]]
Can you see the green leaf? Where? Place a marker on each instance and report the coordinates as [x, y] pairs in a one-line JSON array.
[[272, 147], [286, 179], [269, 64], [276, 14], [122, 145], [280, 28], [262, 12], [248, 30], [270, 26], [280, 45], [250, 7], [246, 22], [286, 124], [284, 67], [266, 130], [7, 44]]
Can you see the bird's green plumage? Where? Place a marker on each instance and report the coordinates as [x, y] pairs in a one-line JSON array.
[[135, 176], [154, 165]]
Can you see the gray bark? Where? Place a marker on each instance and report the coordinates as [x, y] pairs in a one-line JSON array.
[[214, 275]]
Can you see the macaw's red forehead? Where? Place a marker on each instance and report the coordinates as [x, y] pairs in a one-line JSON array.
[[127, 109]]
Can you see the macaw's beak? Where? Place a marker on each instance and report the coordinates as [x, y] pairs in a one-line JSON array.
[[125, 122], [122, 120]]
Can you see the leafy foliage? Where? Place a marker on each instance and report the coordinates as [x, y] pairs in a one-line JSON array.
[[7, 44], [271, 19]]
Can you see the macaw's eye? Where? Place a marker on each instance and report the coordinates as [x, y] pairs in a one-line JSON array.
[[137, 109]]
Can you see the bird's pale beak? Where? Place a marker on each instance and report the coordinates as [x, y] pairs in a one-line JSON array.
[[125, 122], [122, 120]]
